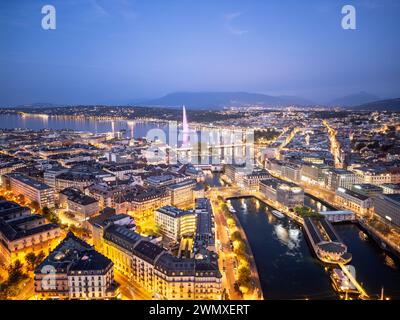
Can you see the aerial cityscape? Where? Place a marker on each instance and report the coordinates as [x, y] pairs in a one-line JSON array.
[[204, 190]]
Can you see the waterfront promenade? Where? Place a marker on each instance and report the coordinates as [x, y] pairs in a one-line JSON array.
[[227, 259]]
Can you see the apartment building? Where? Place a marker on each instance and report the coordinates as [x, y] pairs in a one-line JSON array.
[[158, 272], [74, 270], [31, 189], [175, 223], [181, 193], [22, 232]]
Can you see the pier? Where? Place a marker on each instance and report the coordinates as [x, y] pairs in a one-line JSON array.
[[360, 289]]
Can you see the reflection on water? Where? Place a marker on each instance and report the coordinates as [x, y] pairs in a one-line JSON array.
[[39, 122], [287, 268], [315, 205], [390, 262], [290, 237]]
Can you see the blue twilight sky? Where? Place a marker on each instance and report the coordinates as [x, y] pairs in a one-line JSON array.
[[117, 51]]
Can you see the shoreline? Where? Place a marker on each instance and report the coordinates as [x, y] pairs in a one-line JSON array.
[[251, 258]]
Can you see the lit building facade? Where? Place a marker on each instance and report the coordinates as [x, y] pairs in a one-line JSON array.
[[182, 193], [388, 207], [157, 271], [175, 223], [74, 270], [33, 190], [22, 232], [354, 201]]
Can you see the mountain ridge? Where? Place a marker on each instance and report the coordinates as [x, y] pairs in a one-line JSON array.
[[219, 99]]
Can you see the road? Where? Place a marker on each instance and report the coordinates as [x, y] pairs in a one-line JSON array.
[[226, 255], [130, 291], [227, 258]]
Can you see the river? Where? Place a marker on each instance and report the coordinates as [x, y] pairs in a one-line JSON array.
[[287, 268]]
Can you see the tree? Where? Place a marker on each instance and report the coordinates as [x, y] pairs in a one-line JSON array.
[[236, 236], [30, 259], [35, 205], [21, 198], [34, 260], [240, 248], [15, 273], [50, 215], [305, 211], [244, 276]]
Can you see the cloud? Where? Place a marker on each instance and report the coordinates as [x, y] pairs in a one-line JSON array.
[[229, 18]]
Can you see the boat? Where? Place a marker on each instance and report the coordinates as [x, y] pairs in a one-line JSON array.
[[363, 236], [278, 214]]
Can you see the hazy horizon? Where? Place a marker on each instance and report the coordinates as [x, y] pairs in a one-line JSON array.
[[105, 52]]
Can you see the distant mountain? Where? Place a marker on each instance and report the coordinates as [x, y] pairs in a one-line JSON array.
[[218, 100], [381, 105], [354, 99]]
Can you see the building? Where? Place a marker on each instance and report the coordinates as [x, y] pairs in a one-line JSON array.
[[314, 173], [22, 232], [175, 223], [354, 201], [252, 180], [325, 242], [338, 216], [50, 175], [74, 270], [269, 188], [285, 193], [98, 224], [108, 193], [340, 178], [78, 203], [160, 181], [158, 272], [388, 207], [204, 241], [391, 188], [291, 171], [376, 176], [367, 189], [284, 169], [31, 189], [236, 173], [199, 190], [73, 180], [11, 210], [142, 203], [181, 193]]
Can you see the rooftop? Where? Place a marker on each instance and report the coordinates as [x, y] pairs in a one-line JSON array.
[[28, 181]]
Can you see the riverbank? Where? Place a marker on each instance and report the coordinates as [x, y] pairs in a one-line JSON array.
[[251, 260], [234, 249]]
